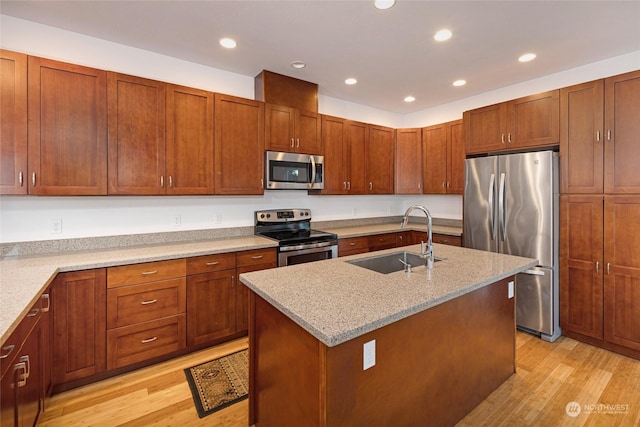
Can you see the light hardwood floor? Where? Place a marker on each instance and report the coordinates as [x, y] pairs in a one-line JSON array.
[[549, 376]]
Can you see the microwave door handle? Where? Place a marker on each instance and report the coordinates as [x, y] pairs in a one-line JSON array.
[[313, 171]]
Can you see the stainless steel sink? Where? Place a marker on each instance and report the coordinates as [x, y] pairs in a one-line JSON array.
[[390, 263]]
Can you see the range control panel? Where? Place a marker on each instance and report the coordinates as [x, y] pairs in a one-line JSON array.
[[283, 215]]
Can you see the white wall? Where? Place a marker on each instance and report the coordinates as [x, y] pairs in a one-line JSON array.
[[28, 218]]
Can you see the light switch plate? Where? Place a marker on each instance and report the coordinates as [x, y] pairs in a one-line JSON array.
[[369, 355]]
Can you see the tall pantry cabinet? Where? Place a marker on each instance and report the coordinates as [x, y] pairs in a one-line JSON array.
[[600, 212]]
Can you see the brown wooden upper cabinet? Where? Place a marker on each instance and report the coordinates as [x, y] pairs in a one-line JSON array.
[[67, 129], [532, 121], [239, 145], [292, 130], [189, 156], [136, 135], [600, 122], [443, 158], [379, 153], [408, 161], [13, 122], [343, 149]]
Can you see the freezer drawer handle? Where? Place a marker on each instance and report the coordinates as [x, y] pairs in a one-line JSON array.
[[534, 272]]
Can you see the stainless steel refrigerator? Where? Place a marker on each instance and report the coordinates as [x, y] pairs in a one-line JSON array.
[[511, 206]]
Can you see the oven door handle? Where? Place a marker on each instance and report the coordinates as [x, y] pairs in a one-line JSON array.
[[307, 246]]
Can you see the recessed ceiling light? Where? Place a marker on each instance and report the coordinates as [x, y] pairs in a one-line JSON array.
[[409, 98], [384, 4], [460, 83], [351, 81], [527, 57], [228, 43], [442, 35], [298, 64]]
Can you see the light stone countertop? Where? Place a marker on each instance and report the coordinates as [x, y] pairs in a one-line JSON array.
[[368, 230], [336, 301], [24, 278]]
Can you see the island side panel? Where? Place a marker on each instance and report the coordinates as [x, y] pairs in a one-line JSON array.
[[286, 370], [431, 368]]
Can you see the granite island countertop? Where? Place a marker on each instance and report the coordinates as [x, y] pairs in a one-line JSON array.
[[336, 301]]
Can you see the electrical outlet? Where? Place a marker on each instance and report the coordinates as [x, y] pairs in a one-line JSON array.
[[368, 355], [177, 220], [218, 219], [55, 226], [511, 290]]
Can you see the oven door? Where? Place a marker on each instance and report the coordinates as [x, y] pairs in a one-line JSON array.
[[291, 255], [290, 171]]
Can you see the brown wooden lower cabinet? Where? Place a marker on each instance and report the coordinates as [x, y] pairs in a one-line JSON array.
[[445, 239], [435, 365], [79, 325], [353, 245], [600, 270]]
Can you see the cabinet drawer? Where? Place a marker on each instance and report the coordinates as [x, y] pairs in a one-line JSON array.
[[136, 343], [146, 272], [257, 256], [140, 303], [14, 343], [353, 245], [208, 263], [382, 241], [447, 240]]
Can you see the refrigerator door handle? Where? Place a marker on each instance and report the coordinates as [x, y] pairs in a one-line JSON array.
[[502, 208], [492, 219], [534, 272]]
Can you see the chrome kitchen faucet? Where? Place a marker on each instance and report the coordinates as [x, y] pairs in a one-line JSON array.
[[426, 251]]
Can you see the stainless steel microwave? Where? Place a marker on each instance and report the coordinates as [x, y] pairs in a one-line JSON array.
[[293, 171]]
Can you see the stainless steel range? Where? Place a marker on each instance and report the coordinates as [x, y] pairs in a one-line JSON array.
[[298, 243]]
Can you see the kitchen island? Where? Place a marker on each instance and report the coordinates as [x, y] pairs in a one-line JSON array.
[[444, 340]]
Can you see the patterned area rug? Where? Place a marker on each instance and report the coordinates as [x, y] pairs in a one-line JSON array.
[[220, 382]]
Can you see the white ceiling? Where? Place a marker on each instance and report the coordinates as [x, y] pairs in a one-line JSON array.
[[392, 53]]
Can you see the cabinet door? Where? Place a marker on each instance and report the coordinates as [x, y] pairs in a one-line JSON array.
[[379, 160], [279, 128], [335, 150], [211, 306], [581, 138], [622, 276], [408, 161], [484, 129], [534, 121], [189, 153], [239, 145], [622, 127], [581, 265], [357, 136], [13, 122], [242, 296], [46, 325], [455, 157], [67, 129], [136, 109], [307, 132], [434, 139], [8, 394], [28, 397], [79, 325]]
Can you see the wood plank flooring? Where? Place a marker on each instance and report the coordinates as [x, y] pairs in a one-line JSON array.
[[604, 385]]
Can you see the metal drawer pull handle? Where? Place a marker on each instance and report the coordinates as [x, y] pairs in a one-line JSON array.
[[27, 362], [33, 179], [146, 273], [535, 272], [151, 301], [608, 268], [20, 179], [597, 267], [8, 349], [598, 136], [48, 307], [213, 263], [352, 243], [257, 257], [33, 313], [148, 340]]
